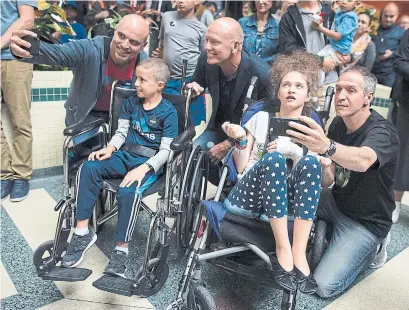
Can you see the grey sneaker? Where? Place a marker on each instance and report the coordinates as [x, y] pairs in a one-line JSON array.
[[382, 256], [117, 264], [77, 248]]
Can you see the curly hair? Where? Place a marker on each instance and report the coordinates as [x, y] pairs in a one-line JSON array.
[[299, 61]]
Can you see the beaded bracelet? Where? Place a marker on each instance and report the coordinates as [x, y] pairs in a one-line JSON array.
[[240, 145]]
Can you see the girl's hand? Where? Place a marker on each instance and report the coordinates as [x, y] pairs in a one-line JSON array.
[[272, 147], [234, 131], [288, 148], [325, 162]]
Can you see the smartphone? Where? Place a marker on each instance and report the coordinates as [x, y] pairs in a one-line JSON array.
[[278, 126], [34, 49]]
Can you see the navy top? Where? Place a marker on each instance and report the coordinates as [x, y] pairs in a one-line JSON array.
[[148, 127]]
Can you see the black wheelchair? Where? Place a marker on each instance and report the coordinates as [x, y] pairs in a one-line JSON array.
[[239, 245], [178, 194]]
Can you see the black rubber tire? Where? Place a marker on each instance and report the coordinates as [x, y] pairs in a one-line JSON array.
[[181, 217], [159, 283], [318, 247], [200, 299], [44, 248], [197, 193]]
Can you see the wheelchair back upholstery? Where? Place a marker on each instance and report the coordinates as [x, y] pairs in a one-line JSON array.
[[120, 94]]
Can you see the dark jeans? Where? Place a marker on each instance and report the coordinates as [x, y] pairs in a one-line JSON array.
[[203, 140], [352, 249]]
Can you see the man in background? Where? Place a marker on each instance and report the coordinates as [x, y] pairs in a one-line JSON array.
[[16, 77]]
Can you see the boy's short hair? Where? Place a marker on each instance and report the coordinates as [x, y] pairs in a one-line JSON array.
[[158, 67]]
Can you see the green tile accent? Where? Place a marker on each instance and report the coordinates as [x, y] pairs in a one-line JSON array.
[[57, 91], [35, 99], [57, 97], [64, 90], [50, 91], [64, 97], [43, 91], [43, 98], [35, 91]]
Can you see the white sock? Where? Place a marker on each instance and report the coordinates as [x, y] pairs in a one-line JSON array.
[[122, 249], [81, 231]]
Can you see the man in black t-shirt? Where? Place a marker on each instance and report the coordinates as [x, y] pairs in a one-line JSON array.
[[364, 150]]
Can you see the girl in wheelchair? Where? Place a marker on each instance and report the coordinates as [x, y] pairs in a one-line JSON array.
[[147, 124], [267, 188]]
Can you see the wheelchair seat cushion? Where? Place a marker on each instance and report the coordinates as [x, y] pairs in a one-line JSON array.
[[238, 229], [112, 185]]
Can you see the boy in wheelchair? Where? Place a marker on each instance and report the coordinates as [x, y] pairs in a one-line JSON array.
[[140, 147], [267, 189]]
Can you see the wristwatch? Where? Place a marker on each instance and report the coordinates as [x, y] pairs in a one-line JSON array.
[[331, 149]]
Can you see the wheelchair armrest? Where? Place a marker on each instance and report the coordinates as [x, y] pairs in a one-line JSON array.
[[85, 125], [179, 142]]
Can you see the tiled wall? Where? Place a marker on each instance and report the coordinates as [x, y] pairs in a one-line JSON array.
[[48, 94]]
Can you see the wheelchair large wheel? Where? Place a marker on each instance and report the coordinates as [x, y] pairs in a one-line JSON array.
[[181, 224], [318, 247], [156, 281], [43, 253], [197, 193], [200, 298]]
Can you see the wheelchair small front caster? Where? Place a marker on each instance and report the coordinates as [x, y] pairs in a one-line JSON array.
[[43, 255], [154, 281], [199, 298]]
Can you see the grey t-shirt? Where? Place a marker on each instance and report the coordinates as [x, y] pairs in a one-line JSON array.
[[182, 39], [315, 41]]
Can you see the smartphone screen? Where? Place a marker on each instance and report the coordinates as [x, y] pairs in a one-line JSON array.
[[279, 126], [34, 50]]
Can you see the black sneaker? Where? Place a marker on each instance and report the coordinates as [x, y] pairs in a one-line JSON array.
[[77, 248], [117, 264]]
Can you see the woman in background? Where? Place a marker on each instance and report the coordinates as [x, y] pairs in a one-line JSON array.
[[261, 31]]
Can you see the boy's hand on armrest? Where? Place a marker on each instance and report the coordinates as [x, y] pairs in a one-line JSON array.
[[135, 175], [17, 43], [102, 154]]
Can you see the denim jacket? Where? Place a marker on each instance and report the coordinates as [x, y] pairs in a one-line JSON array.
[[266, 44]]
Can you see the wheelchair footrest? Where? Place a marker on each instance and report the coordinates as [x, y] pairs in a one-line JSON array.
[[116, 285], [67, 274]]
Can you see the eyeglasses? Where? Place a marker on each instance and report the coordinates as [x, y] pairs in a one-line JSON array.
[[133, 42]]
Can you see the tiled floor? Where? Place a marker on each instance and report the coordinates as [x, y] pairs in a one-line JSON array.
[[27, 224]]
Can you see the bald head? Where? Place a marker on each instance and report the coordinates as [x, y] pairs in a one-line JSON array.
[[389, 15], [228, 28], [130, 37], [136, 24]]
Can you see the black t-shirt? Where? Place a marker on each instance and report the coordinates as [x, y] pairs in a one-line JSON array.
[[367, 197], [226, 87]]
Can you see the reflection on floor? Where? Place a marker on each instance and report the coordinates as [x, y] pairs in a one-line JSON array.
[[27, 224]]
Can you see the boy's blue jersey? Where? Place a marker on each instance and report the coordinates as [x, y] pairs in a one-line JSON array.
[[149, 127]]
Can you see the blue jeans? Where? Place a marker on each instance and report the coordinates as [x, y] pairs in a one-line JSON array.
[[352, 249], [215, 137], [197, 109]]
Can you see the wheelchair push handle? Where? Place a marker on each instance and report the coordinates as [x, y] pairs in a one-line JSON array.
[[327, 103], [184, 73]]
